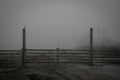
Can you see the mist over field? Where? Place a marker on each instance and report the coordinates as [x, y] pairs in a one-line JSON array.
[[59, 23]]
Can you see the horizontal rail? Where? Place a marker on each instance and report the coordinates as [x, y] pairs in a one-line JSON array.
[[100, 50], [107, 57], [15, 54], [55, 50], [41, 49], [55, 61], [9, 50], [106, 61]]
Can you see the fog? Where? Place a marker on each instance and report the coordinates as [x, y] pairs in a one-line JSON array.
[[59, 23]]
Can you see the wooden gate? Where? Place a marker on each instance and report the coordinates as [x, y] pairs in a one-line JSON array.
[[57, 55]]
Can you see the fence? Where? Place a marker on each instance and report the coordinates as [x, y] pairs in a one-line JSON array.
[[58, 55], [14, 57], [10, 58]]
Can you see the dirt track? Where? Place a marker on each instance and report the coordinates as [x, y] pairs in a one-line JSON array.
[[59, 72]]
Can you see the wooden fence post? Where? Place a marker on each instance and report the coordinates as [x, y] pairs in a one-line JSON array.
[[24, 46], [57, 56], [91, 47]]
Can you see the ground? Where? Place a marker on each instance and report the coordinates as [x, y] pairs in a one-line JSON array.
[[63, 71]]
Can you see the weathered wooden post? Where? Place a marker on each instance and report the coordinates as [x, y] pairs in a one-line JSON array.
[[57, 56], [91, 47], [24, 46]]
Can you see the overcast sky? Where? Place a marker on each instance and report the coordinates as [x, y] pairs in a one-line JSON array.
[[59, 23]]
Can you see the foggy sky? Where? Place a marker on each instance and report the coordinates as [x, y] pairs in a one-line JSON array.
[[59, 23]]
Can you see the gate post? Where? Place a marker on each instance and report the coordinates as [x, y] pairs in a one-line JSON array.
[[23, 46], [57, 56], [91, 48]]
